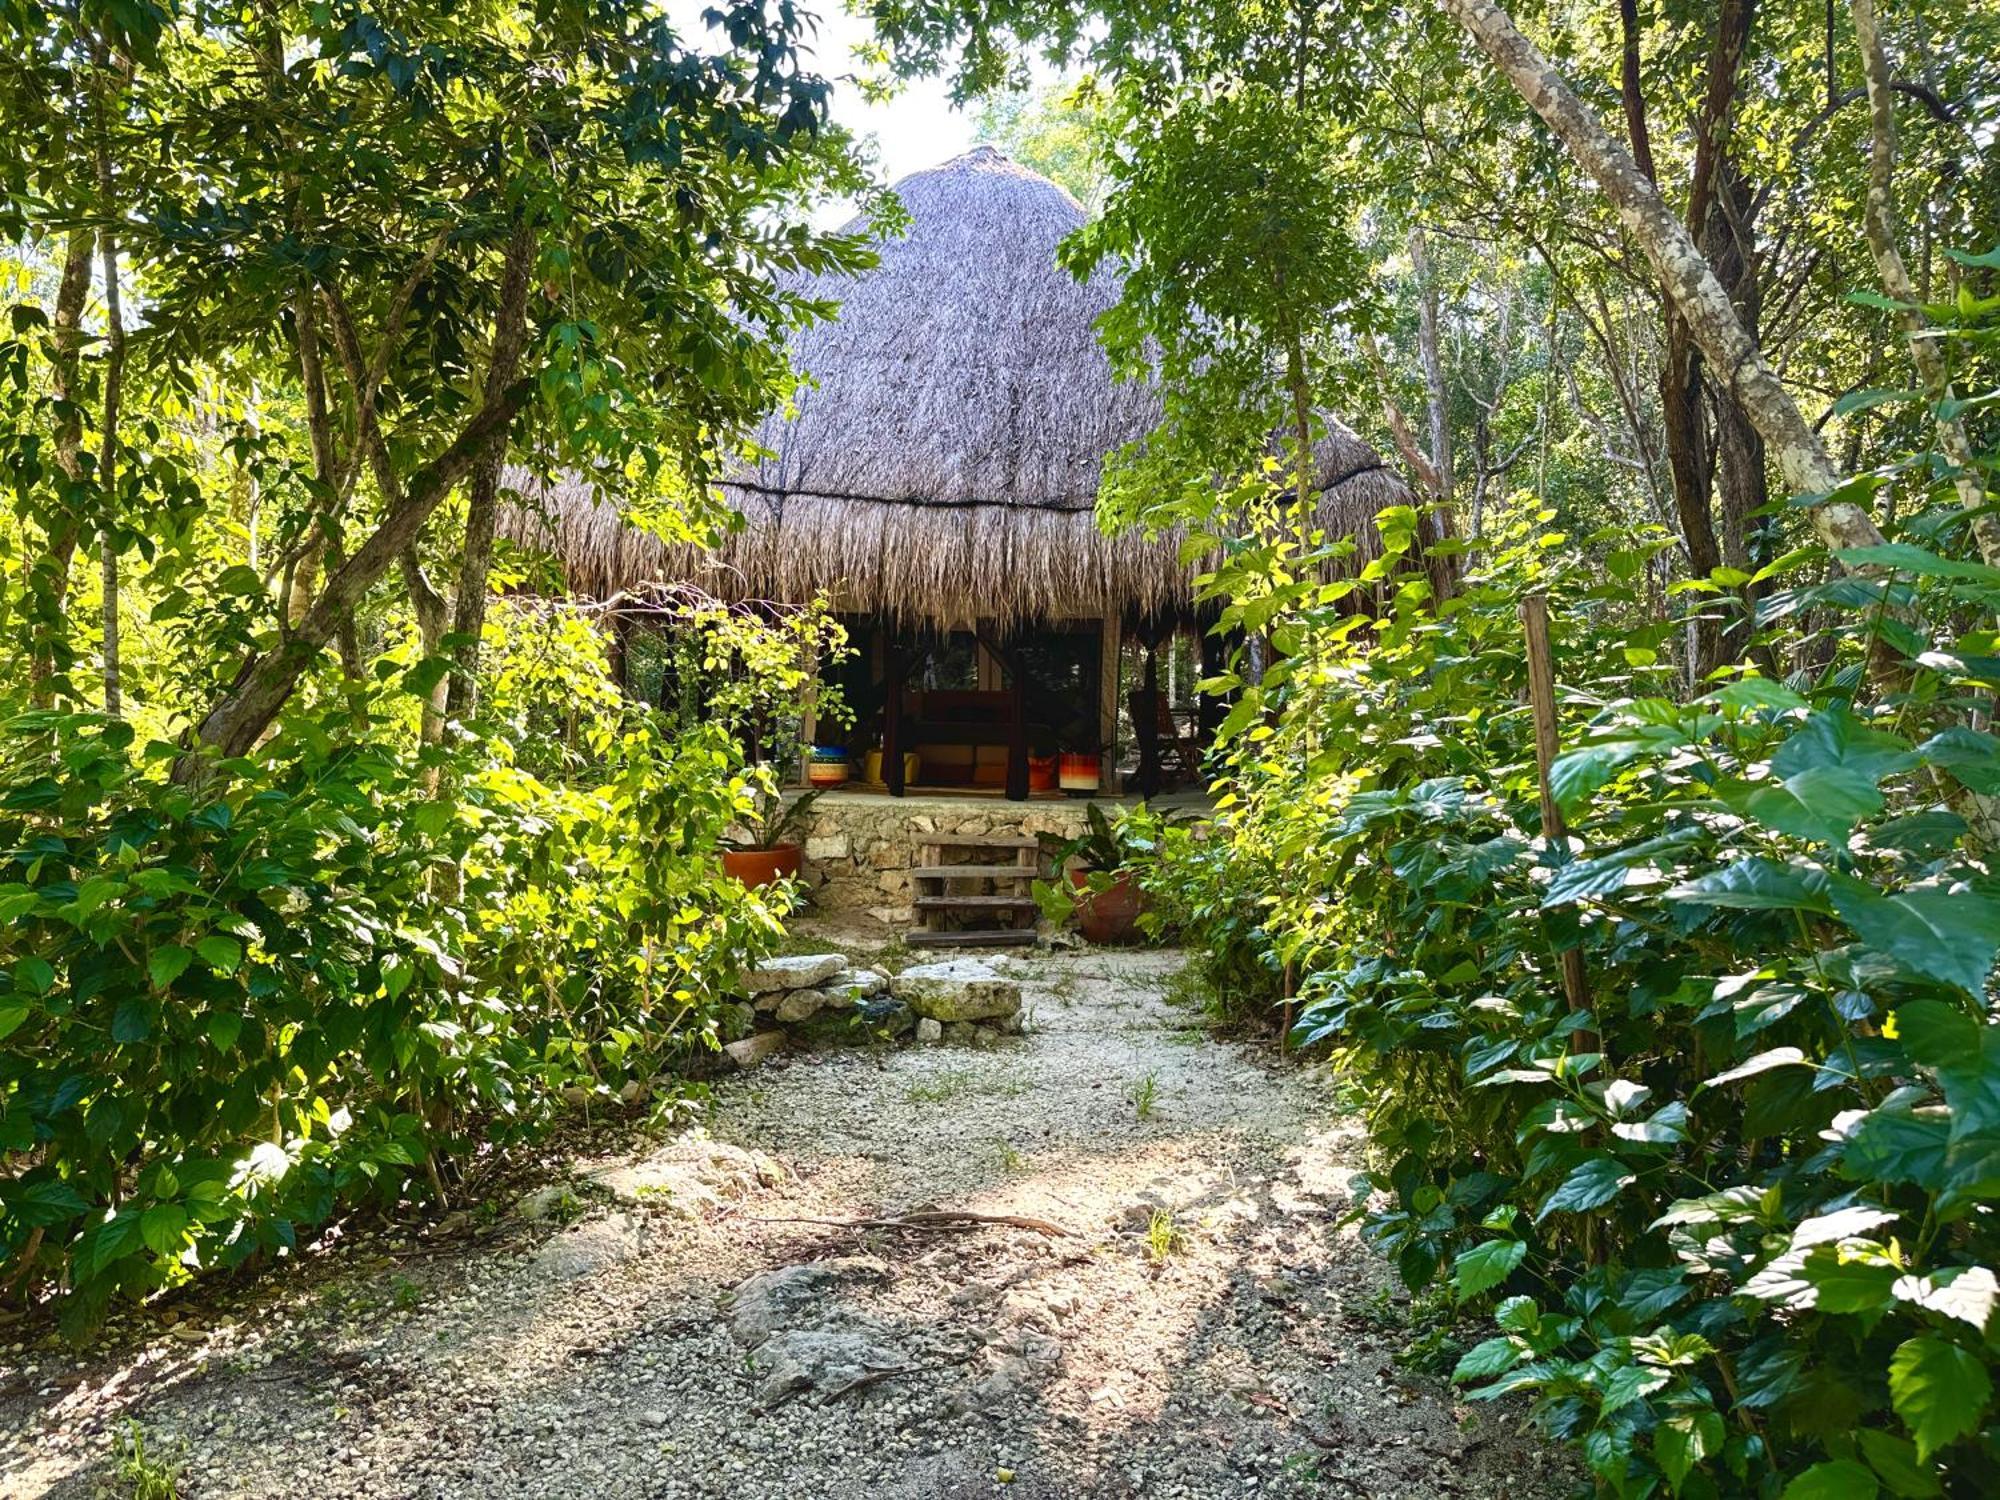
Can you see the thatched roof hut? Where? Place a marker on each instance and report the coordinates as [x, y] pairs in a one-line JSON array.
[[942, 465]]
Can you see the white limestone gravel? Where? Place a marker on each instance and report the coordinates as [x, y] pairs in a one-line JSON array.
[[1207, 1330]]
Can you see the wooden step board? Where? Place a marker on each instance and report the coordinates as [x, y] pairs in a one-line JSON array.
[[972, 937], [960, 918], [974, 903]]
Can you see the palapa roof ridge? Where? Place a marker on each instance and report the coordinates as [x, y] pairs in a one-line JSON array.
[[942, 459]]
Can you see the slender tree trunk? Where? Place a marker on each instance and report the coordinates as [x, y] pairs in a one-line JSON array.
[[1631, 89], [1879, 220], [433, 612], [1437, 395], [243, 712], [114, 382], [475, 569], [483, 502], [66, 371], [1429, 481], [1685, 275]]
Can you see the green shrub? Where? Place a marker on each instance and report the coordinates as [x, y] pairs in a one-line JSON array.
[[320, 976], [1735, 1218]]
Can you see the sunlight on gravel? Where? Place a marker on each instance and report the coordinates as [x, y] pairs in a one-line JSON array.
[[675, 1324]]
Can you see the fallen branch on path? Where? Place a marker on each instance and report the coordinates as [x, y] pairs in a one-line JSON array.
[[875, 1374], [931, 1221]]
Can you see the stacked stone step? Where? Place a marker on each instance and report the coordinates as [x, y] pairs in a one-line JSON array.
[[824, 999]]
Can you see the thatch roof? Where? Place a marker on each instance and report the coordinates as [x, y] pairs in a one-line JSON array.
[[942, 464]]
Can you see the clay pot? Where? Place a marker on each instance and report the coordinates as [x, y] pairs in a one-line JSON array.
[[1042, 773], [762, 866], [1112, 914]]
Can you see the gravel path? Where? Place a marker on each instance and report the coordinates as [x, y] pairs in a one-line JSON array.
[[1204, 1330]]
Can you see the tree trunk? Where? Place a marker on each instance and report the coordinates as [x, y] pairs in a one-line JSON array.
[[114, 384], [1429, 480], [1437, 396], [66, 370], [483, 503], [1688, 279], [433, 617], [1879, 220], [261, 688]]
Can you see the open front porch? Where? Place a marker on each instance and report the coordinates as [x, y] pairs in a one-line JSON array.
[[1033, 713]]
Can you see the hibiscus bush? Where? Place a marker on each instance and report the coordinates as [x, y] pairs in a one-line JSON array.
[[1732, 1210]]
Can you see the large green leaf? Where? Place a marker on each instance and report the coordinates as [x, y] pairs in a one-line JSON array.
[[1891, 1145], [1833, 738], [1483, 1361], [1592, 1184], [1758, 884], [163, 1227], [1949, 936], [1684, 1440], [167, 964], [1578, 773], [1939, 1389], [1840, 1479], [220, 953], [1972, 757], [1486, 1265], [1821, 804], [1894, 1460], [1905, 558], [1763, 1062]]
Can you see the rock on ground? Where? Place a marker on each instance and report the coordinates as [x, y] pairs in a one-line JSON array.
[[799, 971], [964, 989], [1207, 1329]]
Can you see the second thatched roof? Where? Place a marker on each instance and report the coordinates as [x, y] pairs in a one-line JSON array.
[[942, 465]]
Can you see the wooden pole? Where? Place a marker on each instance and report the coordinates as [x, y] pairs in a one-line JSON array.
[[895, 664], [1107, 699], [1148, 727], [1017, 724], [1542, 700]]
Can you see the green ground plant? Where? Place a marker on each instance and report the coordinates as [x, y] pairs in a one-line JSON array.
[[139, 1475]]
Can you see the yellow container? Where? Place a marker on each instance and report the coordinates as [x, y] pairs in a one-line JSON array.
[[872, 767]]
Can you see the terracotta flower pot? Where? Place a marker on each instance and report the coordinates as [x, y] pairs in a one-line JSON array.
[[762, 866], [1112, 914], [1042, 773]]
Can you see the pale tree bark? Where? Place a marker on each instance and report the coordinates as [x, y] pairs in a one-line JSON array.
[[114, 384], [1437, 397], [435, 614], [1684, 273], [66, 374], [234, 723], [321, 546], [1429, 480], [483, 499], [1879, 220], [252, 701]]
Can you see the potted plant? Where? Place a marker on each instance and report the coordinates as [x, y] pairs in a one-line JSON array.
[[769, 848], [1091, 882]]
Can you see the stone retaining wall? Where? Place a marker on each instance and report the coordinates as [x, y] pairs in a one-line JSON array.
[[859, 848]]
